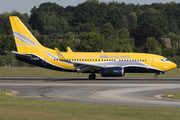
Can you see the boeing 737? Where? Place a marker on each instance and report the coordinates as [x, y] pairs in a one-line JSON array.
[[108, 64]]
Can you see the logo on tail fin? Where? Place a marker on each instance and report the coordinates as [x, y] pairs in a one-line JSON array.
[[24, 39]]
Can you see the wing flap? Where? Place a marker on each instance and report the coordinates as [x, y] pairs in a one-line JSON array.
[[82, 67]]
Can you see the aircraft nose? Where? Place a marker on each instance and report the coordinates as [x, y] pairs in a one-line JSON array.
[[173, 65]]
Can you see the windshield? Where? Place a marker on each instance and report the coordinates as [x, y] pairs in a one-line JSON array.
[[164, 59]]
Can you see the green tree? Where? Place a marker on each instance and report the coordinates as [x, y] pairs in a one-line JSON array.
[[44, 40], [115, 16], [123, 45], [48, 21], [154, 19], [61, 25], [62, 46], [132, 18], [152, 46], [107, 30], [87, 27], [92, 42], [123, 33], [169, 52]]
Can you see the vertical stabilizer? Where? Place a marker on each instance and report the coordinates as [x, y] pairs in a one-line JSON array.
[[25, 41]]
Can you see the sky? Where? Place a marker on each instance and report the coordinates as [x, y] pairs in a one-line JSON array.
[[25, 6]]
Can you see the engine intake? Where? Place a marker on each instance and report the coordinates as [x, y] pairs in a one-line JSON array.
[[112, 72]]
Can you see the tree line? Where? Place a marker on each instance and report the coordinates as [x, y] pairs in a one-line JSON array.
[[93, 26]]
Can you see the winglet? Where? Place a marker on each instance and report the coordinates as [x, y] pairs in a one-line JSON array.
[[69, 49], [60, 55]]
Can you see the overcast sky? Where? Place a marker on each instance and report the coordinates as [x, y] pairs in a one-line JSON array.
[[24, 6]]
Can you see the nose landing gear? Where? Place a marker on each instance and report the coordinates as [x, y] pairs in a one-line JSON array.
[[92, 76]]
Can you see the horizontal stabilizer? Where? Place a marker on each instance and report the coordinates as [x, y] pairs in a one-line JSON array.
[[19, 54]]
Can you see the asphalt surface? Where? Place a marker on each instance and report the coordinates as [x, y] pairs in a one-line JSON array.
[[117, 91]]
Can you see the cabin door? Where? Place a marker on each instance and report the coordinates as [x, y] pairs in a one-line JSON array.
[[153, 61]]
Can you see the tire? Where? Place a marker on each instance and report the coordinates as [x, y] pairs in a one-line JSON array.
[[92, 76], [155, 77]]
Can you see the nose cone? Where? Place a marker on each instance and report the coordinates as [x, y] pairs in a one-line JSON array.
[[173, 65]]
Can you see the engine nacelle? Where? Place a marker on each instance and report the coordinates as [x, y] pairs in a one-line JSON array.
[[112, 72]]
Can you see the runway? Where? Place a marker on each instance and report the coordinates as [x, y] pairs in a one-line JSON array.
[[117, 91]]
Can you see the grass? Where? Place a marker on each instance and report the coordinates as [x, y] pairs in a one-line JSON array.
[[20, 109], [37, 71], [175, 95]]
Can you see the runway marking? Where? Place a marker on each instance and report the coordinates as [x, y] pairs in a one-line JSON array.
[[92, 91], [85, 97]]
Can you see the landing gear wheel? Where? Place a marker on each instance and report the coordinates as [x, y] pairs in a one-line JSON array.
[[92, 76], [155, 77]]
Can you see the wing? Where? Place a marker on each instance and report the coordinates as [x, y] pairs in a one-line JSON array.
[[80, 66], [69, 49], [83, 67], [60, 56]]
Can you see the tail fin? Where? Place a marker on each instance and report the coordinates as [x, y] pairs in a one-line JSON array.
[[23, 37]]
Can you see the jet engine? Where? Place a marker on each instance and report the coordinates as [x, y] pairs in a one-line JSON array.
[[112, 72]]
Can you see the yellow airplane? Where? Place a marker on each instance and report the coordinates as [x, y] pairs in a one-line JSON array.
[[108, 64]]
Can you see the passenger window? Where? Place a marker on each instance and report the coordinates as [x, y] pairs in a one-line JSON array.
[[93, 59], [96, 59], [87, 59], [77, 59], [82, 59], [143, 60], [90, 59], [101, 59], [72, 59]]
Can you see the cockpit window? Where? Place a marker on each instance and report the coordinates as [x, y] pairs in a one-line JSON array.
[[164, 60]]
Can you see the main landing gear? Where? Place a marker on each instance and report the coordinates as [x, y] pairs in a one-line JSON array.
[[155, 76], [92, 76]]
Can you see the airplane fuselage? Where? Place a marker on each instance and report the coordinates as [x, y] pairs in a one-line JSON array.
[[131, 62]]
